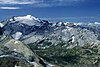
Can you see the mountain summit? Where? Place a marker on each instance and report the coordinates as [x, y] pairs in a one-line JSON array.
[[28, 20]]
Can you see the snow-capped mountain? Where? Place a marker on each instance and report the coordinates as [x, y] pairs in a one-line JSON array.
[[28, 20]]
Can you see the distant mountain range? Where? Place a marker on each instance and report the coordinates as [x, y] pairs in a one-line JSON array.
[[30, 29], [43, 34]]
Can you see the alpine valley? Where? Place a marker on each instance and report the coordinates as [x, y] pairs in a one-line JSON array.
[[27, 41]]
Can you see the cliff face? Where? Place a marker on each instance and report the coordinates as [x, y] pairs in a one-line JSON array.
[[29, 41]]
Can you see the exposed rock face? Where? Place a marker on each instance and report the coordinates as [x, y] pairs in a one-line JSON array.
[[15, 49], [31, 41]]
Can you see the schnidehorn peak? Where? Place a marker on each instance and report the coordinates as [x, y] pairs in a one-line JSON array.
[[28, 41]]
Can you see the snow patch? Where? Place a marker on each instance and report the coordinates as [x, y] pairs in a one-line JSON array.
[[69, 28], [77, 23], [50, 65], [4, 55], [11, 19], [28, 17], [90, 24], [96, 23], [1, 25], [14, 49], [73, 39], [64, 30], [60, 23], [65, 23], [16, 42], [17, 35], [17, 66], [34, 63]]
